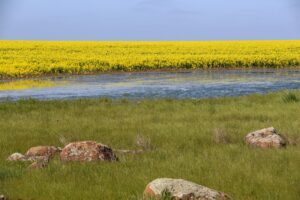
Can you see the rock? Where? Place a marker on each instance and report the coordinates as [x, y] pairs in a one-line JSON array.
[[47, 151], [265, 138], [17, 157], [180, 189], [37, 165], [38, 159], [87, 151], [23, 158]]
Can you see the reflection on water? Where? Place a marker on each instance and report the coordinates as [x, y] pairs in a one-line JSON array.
[[187, 84], [26, 84]]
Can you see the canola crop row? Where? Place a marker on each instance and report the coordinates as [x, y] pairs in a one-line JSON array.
[[35, 58]]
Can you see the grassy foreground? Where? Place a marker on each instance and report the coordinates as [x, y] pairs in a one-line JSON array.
[[35, 58], [198, 140]]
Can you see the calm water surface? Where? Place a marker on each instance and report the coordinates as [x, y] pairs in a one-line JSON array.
[[187, 84]]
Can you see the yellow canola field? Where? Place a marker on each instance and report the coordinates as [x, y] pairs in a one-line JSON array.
[[34, 58]]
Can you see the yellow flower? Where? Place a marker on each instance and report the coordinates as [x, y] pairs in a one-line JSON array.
[[30, 58]]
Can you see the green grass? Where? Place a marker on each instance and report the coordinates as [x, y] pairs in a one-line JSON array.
[[290, 97], [182, 139]]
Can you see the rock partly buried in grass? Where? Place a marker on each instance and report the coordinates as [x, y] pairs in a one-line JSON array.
[[47, 151], [45, 159], [17, 157], [87, 151], [39, 153], [38, 165], [2, 197], [37, 162], [265, 138], [180, 189]]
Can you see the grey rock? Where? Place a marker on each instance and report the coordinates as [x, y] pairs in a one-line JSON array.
[[17, 157], [180, 189]]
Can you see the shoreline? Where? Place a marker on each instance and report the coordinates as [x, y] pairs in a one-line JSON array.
[[162, 99], [171, 70]]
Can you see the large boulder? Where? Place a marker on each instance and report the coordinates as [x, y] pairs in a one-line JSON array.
[[180, 189], [46, 151], [265, 138], [87, 151]]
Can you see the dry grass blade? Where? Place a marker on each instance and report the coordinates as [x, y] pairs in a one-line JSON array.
[[220, 136], [143, 142]]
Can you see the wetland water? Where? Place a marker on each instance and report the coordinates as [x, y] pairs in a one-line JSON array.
[[183, 84]]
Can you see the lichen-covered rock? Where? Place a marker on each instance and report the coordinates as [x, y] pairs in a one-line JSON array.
[[180, 189], [265, 138], [87, 151], [47, 151], [17, 157]]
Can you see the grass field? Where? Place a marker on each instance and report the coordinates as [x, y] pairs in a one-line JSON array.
[[33, 58], [182, 141]]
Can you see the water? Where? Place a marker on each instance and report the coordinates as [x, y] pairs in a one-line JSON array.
[[184, 84]]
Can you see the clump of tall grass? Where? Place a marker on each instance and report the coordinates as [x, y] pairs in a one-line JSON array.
[[166, 195], [290, 98]]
